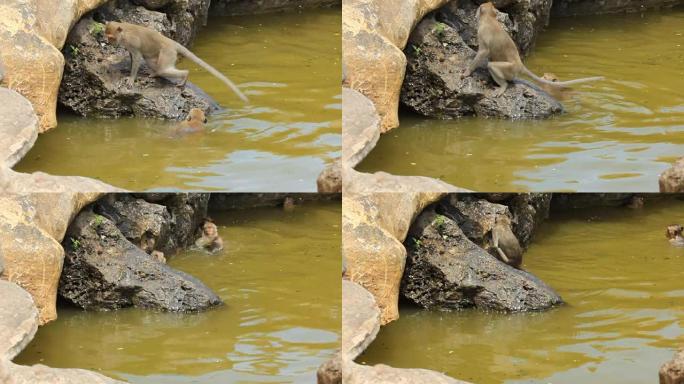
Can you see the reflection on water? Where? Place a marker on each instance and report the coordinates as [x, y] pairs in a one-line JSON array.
[[279, 277], [617, 135], [287, 64], [623, 318]]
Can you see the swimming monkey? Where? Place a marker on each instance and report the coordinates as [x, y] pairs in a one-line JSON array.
[[210, 239]]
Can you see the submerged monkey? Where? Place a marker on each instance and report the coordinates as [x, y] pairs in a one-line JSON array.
[[210, 239], [505, 243], [504, 60], [193, 123], [674, 234], [159, 52]]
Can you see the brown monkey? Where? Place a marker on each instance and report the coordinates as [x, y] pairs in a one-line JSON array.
[[159, 52], [210, 240], [193, 123], [504, 60], [505, 243], [674, 234], [557, 92], [636, 202]]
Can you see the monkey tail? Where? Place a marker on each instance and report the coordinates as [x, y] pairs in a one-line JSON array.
[[186, 52], [561, 83]]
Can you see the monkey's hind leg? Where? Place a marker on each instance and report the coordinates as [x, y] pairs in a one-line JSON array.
[[501, 71], [166, 67], [495, 244]]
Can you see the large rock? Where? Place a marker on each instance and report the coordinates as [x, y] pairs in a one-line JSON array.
[[330, 180], [360, 127], [672, 372], [94, 82], [446, 271], [33, 225], [383, 182], [330, 372], [167, 224], [360, 320], [21, 183], [18, 127], [251, 7], [374, 32], [41, 374], [18, 320], [441, 48], [31, 34], [383, 374], [104, 271], [562, 8], [672, 180], [373, 228]]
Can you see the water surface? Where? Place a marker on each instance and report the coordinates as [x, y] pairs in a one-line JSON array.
[[279, 277], [287, 64], [617, 135], [624, 316]]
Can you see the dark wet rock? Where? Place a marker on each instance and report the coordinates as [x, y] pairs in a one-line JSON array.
[[672, 180], [447, 271], [672, 372], [169, 223], [18, 319], [330, 372], [474, 216], [563, 8], [569, 201], [443, 45], [251, 7], [104, 271], [94, 82], [529, 211]]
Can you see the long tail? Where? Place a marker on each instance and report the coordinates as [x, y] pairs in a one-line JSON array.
[[186, 52], [561, 83]]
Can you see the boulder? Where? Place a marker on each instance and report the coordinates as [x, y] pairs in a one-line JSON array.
[[330, 180], [360, 320], [95, 75], [383, 374], [40, 182], [672, 180], [360, 127], [564, 8], [383, 182], [672, 372], [438, 53], [447, 271], [330, 372], [18, 127], [33, 225], [529, 211], [373, 228], [104, 271], [374, 32], [252, 7], [41, 374], [18, 320]]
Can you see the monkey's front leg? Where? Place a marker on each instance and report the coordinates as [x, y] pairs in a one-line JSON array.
[[479, 60], [136, 60], [495, 243]]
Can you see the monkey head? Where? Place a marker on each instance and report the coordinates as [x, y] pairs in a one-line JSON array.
[[674, 231], [486, 9], [113, 32], [209, 229], [550, 77], [197, 115]]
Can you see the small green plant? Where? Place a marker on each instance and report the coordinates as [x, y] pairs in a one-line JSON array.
[[417, 242], [96, 29], [439, 29], [98, 220], [416, 49], [75, 243], [74, 50], [440, 221]]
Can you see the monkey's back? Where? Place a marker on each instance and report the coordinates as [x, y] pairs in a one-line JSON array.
[[500, 44]]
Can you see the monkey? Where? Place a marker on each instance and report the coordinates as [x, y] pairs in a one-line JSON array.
[[159, 52], [288, 204], [504, 60], [674, 234], [210, 239], [557, 92], [159, 256], [636, 202], [505, 243], [193, 123]]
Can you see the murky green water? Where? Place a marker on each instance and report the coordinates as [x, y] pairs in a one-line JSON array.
[[279, 276], [288, 65], [617, 135], [622, 283]]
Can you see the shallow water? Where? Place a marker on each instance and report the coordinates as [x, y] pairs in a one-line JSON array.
[[622, 283], [617, 135], [289, 67], [279, 277]]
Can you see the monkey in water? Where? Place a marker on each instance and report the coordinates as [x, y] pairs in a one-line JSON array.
[[159, 52], [210, 239], [674, 234], [159, 256], [193, 123], [504, 60], [636, 202], [505, 243]]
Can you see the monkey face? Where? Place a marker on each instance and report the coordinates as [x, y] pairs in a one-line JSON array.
[[112, 32], [197, 114], [209, 229], [673, 231], [486, 9]]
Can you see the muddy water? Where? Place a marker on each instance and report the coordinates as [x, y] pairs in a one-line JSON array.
[[279, 277], [624, 317], [288, 65], [617, 135]]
